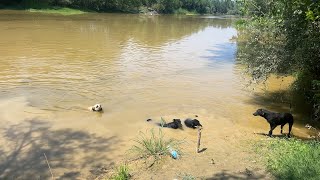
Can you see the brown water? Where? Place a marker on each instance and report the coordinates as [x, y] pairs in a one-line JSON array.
[[138, 67]]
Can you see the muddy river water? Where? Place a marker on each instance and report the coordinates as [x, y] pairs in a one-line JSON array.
[[137, 67]]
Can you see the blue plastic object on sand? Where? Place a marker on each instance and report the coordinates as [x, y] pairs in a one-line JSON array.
[[174, 154]]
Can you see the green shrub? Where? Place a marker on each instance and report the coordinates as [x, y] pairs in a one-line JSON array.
[[292, 158]]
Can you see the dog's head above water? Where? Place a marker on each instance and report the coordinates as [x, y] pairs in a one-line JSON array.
[[177, 121], [259, 112], [196, 122], [96, 107]]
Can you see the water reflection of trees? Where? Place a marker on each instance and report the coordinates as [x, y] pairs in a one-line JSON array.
[[154, 31], [92, 32], [150, 30]]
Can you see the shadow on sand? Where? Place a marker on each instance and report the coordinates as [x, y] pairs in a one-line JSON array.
[[283, 136], [68, 152], [247, 174]]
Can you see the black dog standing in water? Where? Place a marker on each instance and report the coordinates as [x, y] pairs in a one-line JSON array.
[[275, 119], [192, 123]]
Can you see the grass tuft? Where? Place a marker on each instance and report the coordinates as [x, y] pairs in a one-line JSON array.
[[292, 158], [154, 145], [122, 173]]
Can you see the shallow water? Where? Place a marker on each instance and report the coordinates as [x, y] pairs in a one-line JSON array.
[[138, 67]]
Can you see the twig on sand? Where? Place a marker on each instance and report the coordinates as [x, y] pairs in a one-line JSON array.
[[48, 165], [199, 138]]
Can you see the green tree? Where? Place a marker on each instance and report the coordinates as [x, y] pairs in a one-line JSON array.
[[283, 37]]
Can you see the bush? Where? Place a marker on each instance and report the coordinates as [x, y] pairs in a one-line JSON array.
[[282, 37]]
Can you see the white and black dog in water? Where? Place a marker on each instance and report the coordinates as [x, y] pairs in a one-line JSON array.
[[96, 107]]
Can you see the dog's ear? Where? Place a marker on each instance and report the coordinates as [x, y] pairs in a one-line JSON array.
[[262, 112]]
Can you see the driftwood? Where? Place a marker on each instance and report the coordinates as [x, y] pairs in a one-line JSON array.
[[199, 138]]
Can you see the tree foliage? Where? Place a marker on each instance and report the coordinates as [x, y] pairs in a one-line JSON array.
[[283, 37], [163, 6]]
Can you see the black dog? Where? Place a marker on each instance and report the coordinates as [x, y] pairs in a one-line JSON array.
[[192, 123], [174, 125], [275, 119]]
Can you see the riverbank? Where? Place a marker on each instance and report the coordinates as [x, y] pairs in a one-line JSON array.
[[225, 154], [282, 159], [48, 10], [59, 10], [71, 11]]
